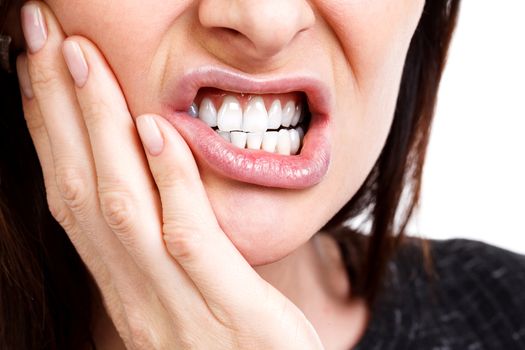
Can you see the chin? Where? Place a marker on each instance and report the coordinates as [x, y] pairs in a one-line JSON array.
[[263, 223]]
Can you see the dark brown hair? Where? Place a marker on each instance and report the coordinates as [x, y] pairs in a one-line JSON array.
[[45, 300]]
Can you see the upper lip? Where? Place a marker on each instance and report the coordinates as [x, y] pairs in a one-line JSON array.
[[181, 91]]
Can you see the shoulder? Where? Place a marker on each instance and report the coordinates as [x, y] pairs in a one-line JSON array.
[[479, 268], [483, 287], [461, 260], [476, 294], [476, 256], [471, 296]]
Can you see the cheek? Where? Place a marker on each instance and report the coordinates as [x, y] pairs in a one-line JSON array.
[[130, 42], [374, 36]]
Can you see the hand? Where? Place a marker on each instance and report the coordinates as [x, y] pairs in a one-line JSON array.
[[141, 221]]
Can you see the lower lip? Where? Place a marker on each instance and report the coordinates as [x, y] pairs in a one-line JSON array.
[[255, 166]]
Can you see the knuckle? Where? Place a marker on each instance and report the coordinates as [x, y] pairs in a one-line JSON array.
[[60, 212], [95, 111], [166, 179], [186, 341], [141, 334], [45, 78], [35, 124], [182, 241], [227, 320], [72, 184], [173, 177], [117, 209]]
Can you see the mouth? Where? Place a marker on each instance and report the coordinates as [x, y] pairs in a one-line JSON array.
[[267, 132], [275, 123]]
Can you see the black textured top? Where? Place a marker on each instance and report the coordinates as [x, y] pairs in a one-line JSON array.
[[475, 301]]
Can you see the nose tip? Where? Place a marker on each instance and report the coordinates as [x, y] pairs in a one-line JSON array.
[[269, 25]]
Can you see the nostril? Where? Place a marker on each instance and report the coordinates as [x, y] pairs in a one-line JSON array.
[[230, 31]]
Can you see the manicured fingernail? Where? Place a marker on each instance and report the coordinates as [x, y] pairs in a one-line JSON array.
[[76, 62], [150, 134], [23, 76], [33, 26]]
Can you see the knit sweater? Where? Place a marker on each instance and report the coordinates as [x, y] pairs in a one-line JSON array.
[[476, 300]]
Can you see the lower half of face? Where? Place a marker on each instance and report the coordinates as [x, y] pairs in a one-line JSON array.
[[354, 50]]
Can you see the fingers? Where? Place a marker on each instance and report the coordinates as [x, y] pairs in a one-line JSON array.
[[123, 182], [52, 87], [191, 231], [38, 132], [128, 197], [93, 151], [55, 99], [62, 143]]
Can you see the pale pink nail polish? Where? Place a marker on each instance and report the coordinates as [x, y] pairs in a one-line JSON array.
[[150, 134], [76, 62], [33, 26], [23, 76]]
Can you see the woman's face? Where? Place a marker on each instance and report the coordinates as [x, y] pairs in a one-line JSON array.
[[351, 52]]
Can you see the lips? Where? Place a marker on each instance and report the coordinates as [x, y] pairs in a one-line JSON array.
[[249, 165]]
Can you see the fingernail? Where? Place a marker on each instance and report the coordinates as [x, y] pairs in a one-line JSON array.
[[76, 62], [33, 26], [23, 76], [150, 134]]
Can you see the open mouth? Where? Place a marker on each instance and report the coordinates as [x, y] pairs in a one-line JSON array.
[[268, 132], [274, 123]]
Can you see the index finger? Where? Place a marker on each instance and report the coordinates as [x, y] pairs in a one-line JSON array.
[[127, 194], [191, 231]]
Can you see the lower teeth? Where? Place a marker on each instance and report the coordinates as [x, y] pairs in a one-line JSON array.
[[284, 142]]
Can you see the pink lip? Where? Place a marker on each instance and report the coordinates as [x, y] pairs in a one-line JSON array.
[[253, 166]]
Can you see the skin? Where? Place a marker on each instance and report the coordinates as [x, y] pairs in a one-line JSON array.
[[358, 46]]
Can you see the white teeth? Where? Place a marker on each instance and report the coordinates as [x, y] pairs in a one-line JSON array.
[[255, 140], [238, 138], [288, 113], [270, 139], [283, 142], [275, 115], [296, 115], [208, 113], [225, 135], [255, 118], [230, 115], [295, 141], [248, 129]]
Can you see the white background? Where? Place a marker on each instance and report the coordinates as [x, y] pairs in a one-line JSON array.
[[473, 185]]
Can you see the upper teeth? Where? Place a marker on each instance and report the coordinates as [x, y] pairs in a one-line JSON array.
[[207, 112], [255, 118], [230, 116], [248, 128]]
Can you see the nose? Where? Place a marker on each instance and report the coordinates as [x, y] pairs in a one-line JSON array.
[[266, 26]]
